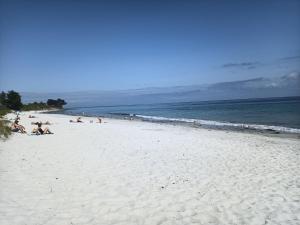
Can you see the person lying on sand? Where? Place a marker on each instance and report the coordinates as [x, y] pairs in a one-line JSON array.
[[30, 116], [16, 127], [77, 121], [36, 123], [39, 129]]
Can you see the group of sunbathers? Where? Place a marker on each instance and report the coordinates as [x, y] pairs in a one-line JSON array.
[[16, 127], [78, 120]]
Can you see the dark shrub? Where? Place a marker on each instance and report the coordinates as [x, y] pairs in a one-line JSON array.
[[13, 100], [59, 103]]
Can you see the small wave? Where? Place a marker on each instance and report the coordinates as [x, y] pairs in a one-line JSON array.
[[222, 124], [120, 114]]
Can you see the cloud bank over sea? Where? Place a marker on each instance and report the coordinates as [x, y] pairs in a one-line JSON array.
[[287, 85]]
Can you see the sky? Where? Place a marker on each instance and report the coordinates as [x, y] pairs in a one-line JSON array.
[[73, 45]]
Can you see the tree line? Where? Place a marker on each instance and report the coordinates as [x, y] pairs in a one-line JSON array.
[[13, 100]]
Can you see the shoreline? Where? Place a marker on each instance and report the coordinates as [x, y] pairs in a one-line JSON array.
[[265, 132]]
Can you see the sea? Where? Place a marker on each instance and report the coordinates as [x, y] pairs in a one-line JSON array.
[[278, 115]]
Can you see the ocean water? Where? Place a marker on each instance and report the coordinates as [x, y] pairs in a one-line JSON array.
[[272, 114]]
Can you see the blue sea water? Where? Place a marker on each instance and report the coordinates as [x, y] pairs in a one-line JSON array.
[[278, 114]]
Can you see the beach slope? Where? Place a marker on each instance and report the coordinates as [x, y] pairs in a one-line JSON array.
[[133, 172]]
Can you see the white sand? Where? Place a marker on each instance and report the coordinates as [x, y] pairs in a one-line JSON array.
[[131, 172]]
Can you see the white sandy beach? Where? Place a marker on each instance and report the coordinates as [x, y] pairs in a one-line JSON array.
[[132, 172]]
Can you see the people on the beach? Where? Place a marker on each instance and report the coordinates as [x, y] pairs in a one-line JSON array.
[[46, 123], [78, 120], [40, 130], [16, 127]]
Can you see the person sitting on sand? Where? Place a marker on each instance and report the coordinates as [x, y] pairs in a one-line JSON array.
[[30, 116], [39, 129], [77, 121], [16, 127]]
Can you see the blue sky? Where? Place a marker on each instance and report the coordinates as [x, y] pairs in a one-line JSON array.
[[49, 46]]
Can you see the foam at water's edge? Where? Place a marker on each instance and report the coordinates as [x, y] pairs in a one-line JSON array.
[[222, 124]]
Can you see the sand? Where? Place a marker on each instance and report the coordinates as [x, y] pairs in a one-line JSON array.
[[133, 172]]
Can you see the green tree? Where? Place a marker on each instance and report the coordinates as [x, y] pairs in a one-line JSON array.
[[13, 100]]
